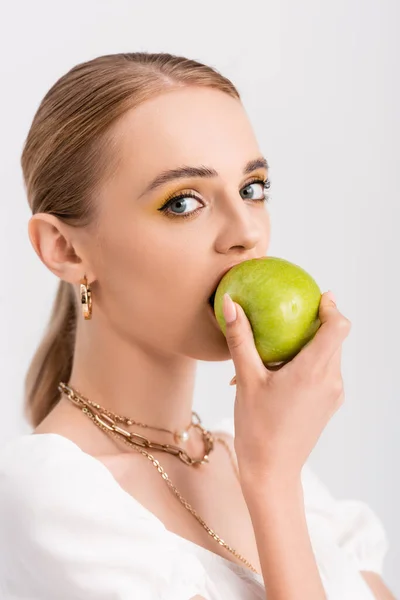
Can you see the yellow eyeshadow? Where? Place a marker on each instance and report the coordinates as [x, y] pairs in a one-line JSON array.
[[170, 194], [177, 191]]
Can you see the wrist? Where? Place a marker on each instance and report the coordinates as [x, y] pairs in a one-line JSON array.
[[274, 481]]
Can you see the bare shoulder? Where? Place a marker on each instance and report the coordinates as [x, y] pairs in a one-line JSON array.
[[66, 420]]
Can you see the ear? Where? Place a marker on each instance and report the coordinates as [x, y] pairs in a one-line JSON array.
[[58, 247]]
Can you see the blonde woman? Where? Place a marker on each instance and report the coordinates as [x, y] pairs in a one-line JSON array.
[[146, 184]]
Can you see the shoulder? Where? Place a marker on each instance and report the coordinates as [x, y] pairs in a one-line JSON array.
[[43, 470], [65, 524]]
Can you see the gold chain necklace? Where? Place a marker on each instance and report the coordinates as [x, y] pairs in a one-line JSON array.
[[182, 435], [107, 422]]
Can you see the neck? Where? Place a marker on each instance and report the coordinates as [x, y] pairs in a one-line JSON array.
[[134, 381]]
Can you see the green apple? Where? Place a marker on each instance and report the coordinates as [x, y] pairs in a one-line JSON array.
[[280, 300]]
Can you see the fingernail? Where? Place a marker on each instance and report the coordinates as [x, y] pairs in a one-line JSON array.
[[331, 296], [229, 309]]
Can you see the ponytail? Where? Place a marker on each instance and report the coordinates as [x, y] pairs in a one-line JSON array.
[[52, 361]]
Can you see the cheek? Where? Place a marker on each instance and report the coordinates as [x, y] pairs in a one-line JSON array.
[[151, 275]]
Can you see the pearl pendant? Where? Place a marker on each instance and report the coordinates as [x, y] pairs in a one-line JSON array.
[[182, 436]]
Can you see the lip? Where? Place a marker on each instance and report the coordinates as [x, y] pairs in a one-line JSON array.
[[218, 281], [220, 276], [214, 318]]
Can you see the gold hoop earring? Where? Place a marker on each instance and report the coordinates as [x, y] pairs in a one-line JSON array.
[[86, 299]]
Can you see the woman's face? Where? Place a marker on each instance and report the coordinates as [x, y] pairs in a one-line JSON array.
[[156, 269]]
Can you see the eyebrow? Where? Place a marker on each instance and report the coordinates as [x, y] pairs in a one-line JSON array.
[[185, 172]]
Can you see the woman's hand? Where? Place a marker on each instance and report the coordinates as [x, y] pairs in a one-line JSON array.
[[280, 415]]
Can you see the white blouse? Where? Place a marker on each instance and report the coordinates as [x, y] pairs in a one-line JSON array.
[[69, 531]]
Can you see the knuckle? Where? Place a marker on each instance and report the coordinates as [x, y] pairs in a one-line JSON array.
[[235, 339], [344, 324], [337, 388], [336, 391], [340, 400], [335, 406]]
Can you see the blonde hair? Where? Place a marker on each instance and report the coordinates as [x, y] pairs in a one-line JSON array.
[[68, 154]]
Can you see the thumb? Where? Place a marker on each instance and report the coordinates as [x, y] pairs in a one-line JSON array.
[[240, 340]]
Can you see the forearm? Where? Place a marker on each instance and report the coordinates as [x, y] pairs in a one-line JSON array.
[[287, 560]]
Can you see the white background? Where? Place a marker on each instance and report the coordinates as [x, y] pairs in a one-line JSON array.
[[320, 81]]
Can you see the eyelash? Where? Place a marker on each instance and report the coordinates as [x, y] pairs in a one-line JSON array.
[[265, 182]]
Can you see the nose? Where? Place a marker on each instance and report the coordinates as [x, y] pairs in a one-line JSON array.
[[242, 226]]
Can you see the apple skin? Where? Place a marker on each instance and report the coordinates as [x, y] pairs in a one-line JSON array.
[[281, 301]]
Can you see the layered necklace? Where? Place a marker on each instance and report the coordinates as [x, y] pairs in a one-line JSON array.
[[111, 423]]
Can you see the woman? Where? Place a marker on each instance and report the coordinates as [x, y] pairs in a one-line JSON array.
[[146, 184]]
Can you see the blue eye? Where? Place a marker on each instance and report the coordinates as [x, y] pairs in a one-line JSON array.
[[180, 199], [266, 185], [181, 202]]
